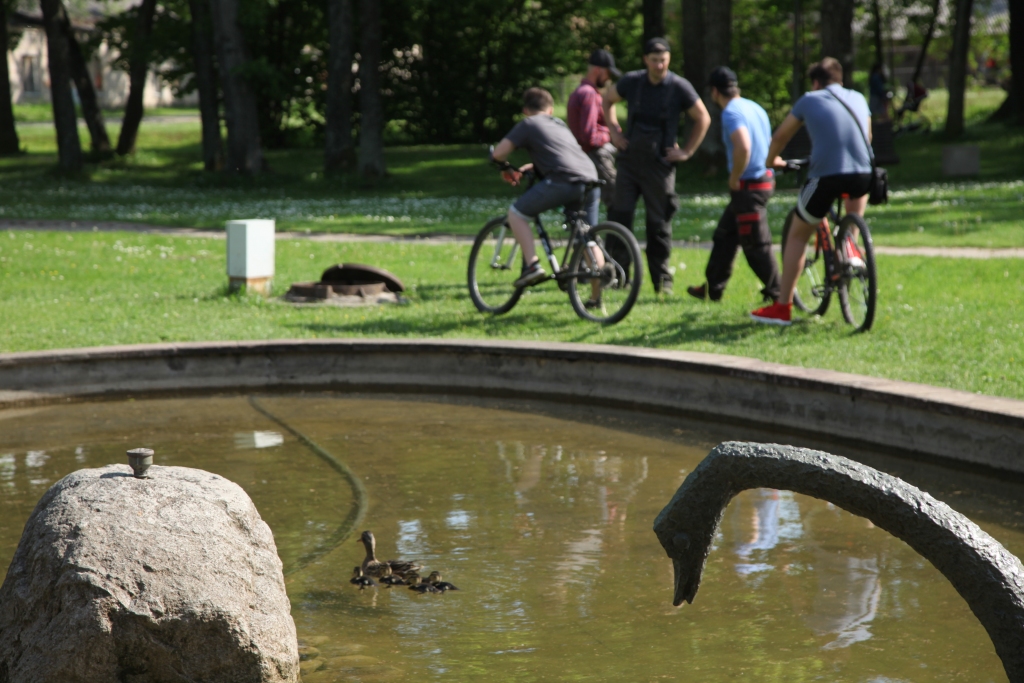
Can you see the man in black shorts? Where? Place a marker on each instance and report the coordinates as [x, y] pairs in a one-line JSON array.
[[648, 150], [839, 124], [564, 170]]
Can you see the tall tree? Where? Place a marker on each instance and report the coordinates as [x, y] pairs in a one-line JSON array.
[[797, 87], [91, 111], [9, 143], [206, 84], [930, 33], [692, 12], [654, 19], [837, 35], [139, 61], [958, 68], [876, 15], [245, 153], [69, 148], [371, 121], [1012, 108], [717, 52], [338, 150]]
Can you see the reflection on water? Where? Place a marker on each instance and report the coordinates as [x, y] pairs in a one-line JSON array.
[[544, 523]]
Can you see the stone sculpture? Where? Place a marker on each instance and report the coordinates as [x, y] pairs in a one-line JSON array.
[[171, 577], [985, 574]]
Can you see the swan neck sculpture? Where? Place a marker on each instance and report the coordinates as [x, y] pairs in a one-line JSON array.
[[984, 573]]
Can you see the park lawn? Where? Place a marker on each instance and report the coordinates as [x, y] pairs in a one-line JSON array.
[[452, 190], [40, 112], [945, 322]]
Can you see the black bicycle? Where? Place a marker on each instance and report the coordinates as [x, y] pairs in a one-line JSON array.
[[840, 258], [600, 269]]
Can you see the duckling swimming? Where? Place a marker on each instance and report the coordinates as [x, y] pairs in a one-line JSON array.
[[359, 580], [435, 580], [374, 567], [389, 579], [420, 586]]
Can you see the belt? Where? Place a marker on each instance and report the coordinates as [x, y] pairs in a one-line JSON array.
[[760, 184]]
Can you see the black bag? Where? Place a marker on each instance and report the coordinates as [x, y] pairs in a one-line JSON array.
[[878, 191]]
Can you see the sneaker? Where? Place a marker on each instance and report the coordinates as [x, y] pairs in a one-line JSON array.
[[696, 292], [775, 314], [531, 275], [591, 304], [666, 288]]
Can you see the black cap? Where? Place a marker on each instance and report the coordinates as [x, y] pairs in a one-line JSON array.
[[604, 58], [722, 77], [656, 45]]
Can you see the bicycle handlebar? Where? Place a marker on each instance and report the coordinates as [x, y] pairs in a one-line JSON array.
[[794, 165]]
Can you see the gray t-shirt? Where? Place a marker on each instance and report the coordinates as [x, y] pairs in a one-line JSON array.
[[837, 147], [553, 149]]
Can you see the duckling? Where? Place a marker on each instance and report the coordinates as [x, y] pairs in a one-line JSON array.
[[435, 580], [389, 579], [374, 567], [420, 586], [359, 580]]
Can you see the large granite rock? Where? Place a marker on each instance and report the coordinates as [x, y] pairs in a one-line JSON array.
[[171, 578]]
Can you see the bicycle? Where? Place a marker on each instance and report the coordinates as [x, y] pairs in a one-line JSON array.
[[494, 265], [849, 271], [907, 118]]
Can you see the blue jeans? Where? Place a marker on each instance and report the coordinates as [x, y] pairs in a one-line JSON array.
[[551, 194]]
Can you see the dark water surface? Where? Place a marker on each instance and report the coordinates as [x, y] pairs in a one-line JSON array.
[[542, 515]]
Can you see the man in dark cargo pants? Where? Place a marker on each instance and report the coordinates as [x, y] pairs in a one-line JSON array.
[[746, 134], [656, 98]]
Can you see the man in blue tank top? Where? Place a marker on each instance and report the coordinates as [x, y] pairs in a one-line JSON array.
[[839, 124], [746, 134]]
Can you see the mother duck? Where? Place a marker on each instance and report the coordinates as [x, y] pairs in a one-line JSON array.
[[375, 568]]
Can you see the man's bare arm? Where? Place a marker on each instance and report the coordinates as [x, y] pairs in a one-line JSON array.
[[741, 150], [611, 118], [701, 122], [783, 134]]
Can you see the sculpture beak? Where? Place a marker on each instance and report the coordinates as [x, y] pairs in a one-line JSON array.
[[683, 592]]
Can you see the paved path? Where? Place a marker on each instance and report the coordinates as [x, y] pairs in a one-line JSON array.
[[116, 120], [142, 228]]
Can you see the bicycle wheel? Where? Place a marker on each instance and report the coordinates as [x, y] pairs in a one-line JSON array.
[[616, 290], [811, 295], [494, 266], [858, 283]]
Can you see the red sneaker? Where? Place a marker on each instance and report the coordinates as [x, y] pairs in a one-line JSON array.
[[776, 314]]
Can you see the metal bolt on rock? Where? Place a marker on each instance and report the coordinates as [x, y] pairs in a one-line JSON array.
[[140, 459]]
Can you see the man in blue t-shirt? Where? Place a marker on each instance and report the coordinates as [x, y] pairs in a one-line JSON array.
[[746, 133], [839, 124]]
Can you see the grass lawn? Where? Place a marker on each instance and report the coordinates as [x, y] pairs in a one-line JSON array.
[[952, 323], [450, 189], [37, 113]]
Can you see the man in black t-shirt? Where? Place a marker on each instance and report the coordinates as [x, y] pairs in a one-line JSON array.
[[656, 98]]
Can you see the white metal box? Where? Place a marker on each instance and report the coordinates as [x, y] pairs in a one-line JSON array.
[[251, 254]]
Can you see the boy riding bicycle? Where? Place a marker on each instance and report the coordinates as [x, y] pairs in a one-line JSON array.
[[565, 171]]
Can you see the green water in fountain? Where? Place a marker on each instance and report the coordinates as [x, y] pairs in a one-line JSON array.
[[541, 515]]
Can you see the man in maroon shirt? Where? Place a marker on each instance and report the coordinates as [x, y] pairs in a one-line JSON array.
[[586, 120]]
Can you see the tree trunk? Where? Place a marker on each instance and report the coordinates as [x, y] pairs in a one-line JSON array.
[[693, 41], [371, 122], [654, 19], [837, 36], [69, 148], [137, 78], [958, 68], [1017, 61], [339, 153], [927, 41], [206, 84], [86, 91], [877, 17], [9, 143], [244, 151], [797, 87], [717, 41]]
